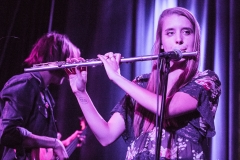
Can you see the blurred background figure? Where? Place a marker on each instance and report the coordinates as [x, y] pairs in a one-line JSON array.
[[27, 118]]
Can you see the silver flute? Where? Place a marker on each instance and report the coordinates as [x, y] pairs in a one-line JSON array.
[[175, 55]]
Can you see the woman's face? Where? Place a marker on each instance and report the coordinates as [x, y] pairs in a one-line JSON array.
[[177, 33]]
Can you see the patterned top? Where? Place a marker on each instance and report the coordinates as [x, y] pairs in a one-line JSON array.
[[184, 139]]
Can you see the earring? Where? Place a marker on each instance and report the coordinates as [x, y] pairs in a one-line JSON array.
[[161, 46]]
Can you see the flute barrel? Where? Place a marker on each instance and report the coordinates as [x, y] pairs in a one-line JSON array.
[[93, 62], [89, 62]]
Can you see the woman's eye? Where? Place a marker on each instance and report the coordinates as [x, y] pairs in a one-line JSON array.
[[187, 32], [170, 33]]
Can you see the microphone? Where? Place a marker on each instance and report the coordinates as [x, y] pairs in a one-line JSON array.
[[174, 55]]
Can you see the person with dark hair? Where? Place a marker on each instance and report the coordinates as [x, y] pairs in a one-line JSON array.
[[27, 122], [191, 97]]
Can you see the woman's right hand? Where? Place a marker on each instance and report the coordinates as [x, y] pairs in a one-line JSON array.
[[77, 76]]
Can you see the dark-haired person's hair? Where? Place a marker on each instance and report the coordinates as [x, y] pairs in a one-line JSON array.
[[51, 47]]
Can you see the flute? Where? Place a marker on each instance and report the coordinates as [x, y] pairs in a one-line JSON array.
[[176, 55]]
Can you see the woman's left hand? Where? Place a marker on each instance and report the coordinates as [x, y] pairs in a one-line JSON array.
[[111, 63]]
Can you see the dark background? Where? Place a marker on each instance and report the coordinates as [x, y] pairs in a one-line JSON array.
[[100, 26]]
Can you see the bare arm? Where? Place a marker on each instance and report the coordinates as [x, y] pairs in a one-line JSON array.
[[146, 98], [105, 132]]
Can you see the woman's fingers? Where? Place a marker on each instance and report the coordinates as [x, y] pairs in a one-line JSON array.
[[74, 60], [110, 56], [117, 57]]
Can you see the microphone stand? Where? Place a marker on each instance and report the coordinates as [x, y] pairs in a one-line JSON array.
[[160, 118]]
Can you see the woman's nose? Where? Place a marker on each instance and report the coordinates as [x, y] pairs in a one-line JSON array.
[[179, 39]]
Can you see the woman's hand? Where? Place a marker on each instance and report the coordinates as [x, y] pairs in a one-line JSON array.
[[77, 76], [111, 63]]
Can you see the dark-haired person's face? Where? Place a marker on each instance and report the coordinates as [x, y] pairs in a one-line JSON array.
[[59, 75], [177, 33]]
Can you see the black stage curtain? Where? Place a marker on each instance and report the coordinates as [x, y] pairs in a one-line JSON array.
[[127, 27]]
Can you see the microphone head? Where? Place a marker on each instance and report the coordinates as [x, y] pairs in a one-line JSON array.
[[178, 55], [175, 55]]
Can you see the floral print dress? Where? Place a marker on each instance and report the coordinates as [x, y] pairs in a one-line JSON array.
[[180, 141]]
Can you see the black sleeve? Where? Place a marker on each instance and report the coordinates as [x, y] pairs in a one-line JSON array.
[[19, 96]]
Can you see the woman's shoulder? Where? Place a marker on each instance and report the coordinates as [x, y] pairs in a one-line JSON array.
[[207, 79], [206, 73]]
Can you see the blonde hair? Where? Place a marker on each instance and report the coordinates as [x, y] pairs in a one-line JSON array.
[[142, 115]]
